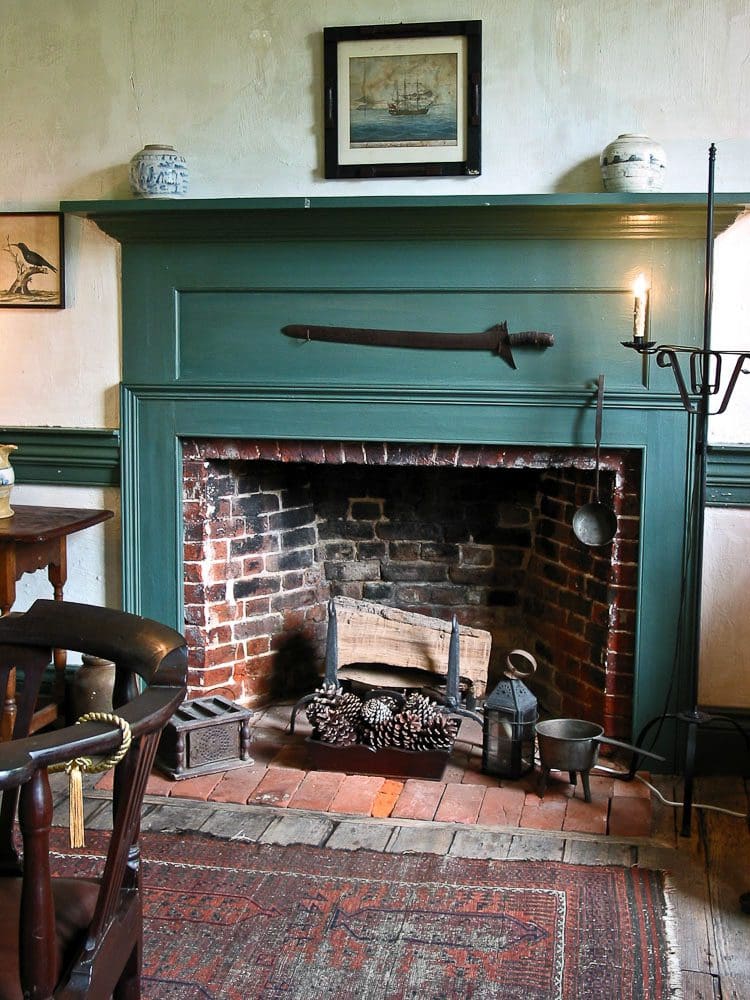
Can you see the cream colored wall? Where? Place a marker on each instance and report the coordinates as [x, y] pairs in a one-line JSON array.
[[725, 639], [236, 86]]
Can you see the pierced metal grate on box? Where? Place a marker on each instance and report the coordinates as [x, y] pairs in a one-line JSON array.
[[205, 735]]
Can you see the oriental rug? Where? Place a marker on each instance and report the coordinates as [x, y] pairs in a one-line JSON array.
[[235, 920]]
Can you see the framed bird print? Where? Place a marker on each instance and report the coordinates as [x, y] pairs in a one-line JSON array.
[[32, 271]]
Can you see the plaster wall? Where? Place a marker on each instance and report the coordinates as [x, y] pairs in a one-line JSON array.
[[236, 86]]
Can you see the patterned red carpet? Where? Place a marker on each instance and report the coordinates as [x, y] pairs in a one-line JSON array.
[[232, 920]]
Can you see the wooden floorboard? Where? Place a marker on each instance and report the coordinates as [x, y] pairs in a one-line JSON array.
[[686, 873], [699, 986], [728, 868]]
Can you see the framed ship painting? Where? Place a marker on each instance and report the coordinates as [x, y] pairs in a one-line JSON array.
[[403, 100], [31, 260]]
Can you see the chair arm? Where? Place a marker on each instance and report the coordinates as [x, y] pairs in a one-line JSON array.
[[147, 713]]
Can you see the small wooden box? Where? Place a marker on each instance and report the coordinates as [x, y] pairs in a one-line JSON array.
[[205, 735]]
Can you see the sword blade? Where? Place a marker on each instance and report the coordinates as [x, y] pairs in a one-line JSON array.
[[489, 340]]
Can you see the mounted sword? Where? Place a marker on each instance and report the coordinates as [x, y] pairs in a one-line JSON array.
[[496, 339]]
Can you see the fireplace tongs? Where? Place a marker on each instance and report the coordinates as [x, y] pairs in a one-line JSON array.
[[450, 698], [496, 339]]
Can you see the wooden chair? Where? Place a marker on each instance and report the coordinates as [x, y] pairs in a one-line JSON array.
[[74, 937]]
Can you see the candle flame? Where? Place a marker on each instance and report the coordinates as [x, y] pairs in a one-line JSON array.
[[640, 286]]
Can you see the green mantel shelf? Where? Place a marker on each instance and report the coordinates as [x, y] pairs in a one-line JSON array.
[[540, 216]]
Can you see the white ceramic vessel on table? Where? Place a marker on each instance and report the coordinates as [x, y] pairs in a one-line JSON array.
[[7, 479]]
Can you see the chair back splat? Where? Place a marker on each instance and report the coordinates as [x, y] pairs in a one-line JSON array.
[[79, 937]]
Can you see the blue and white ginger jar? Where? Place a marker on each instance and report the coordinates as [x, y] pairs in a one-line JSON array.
[[633, 162], [158, 172]]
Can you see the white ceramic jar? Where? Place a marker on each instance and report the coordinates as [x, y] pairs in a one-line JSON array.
[[7, 479], [158, 172], [633, 162]]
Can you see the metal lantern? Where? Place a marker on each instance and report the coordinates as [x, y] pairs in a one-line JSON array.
[[510, 714]]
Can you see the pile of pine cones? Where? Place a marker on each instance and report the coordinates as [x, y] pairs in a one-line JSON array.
[[342, 718]]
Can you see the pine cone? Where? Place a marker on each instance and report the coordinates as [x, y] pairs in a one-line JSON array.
[[336, 729], [438, 734], [421, 706], [375, 714], [334, 715], [350, 705], [324, 698], [376, 710], [399, 731]]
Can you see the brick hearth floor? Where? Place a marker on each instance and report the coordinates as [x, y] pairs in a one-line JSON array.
[[280, 776]]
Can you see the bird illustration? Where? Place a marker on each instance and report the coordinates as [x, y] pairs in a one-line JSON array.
[[32, 258]]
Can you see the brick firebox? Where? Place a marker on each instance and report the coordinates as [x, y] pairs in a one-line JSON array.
[[273, 529]]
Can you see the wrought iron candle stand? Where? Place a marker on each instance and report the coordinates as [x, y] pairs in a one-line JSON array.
[[706, 371]]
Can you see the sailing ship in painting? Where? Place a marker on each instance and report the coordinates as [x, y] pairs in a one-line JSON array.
[[403, 101], [414, 101]]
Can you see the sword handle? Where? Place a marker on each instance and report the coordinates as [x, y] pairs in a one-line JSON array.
[[531, 338]]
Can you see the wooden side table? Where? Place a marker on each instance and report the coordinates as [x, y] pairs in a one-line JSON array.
[[34, 538]]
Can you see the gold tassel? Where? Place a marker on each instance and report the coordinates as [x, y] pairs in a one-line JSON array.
[[75, 794]]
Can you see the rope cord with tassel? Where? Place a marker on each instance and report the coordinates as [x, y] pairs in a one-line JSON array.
[[76, 767]]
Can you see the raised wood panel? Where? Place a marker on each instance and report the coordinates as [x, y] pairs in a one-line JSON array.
[[246, 342], [213, 313]]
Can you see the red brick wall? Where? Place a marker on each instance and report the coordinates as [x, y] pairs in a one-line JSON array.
[[272, 531], [580, 601]]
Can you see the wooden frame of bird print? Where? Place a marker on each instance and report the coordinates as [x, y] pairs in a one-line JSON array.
[[403, 100], [32, 271]]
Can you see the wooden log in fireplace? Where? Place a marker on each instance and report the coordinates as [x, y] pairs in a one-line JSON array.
[[383, 646]]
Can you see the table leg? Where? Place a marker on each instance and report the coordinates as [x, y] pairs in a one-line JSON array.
[[9, 711], [57, 572]]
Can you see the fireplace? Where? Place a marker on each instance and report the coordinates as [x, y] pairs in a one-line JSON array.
[[207, 288], [274, 529]]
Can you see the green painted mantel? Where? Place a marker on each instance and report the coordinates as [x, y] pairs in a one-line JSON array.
[[208, 285], [542, 216]]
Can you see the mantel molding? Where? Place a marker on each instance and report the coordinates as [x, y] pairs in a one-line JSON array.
[[553, 216]]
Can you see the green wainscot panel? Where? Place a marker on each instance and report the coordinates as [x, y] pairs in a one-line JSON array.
[[67, 456], [242, 333], [728, 476]]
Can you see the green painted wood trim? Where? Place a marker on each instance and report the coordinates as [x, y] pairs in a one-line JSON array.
[[65, 456], [728, 477], [559, 216], [158, 420]]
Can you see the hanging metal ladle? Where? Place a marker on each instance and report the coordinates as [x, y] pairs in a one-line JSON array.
[[596, 523]]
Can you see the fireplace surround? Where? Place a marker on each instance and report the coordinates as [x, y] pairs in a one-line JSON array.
[[207, 287]]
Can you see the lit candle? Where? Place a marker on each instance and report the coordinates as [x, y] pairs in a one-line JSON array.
[[640, 307]]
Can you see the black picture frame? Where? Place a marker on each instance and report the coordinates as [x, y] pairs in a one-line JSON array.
[[403, 100], [32, 260]]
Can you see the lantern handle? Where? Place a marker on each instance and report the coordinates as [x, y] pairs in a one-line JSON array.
[[517, 671]]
